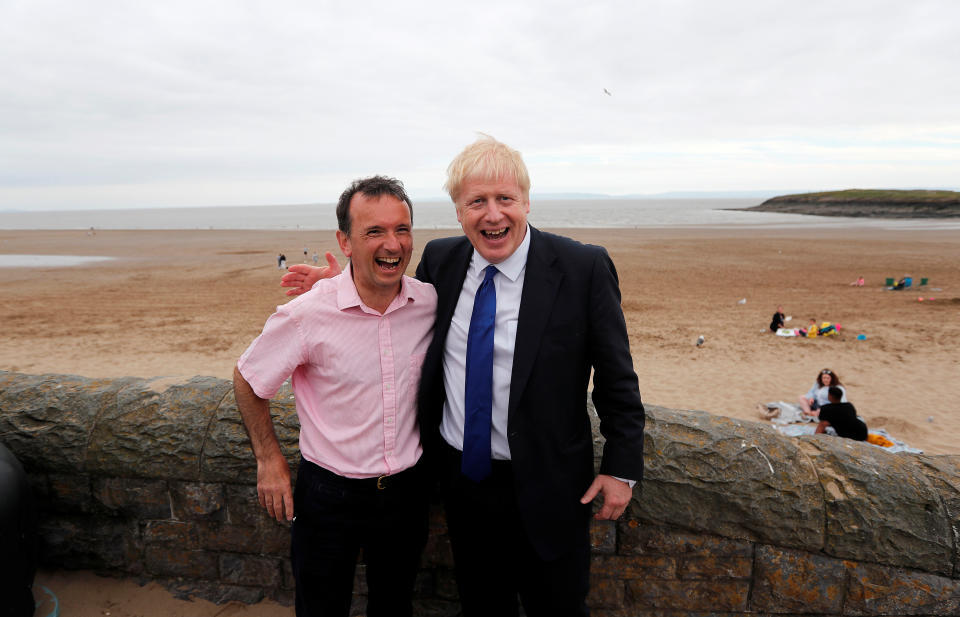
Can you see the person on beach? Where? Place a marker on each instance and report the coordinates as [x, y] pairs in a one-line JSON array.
[[354, 346], [777, 322], [858, 282], [818, 394], [841, 416], [522, 318]]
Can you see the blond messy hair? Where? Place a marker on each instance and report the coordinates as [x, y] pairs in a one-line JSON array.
[[490, 160]]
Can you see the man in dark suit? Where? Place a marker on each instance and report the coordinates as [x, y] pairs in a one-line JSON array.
[[522, 318], [523, 528]]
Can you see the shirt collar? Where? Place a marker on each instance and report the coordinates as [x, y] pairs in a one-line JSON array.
[[349, 297], [511, 267]]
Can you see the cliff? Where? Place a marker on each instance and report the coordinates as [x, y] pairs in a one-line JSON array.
[[138, 477], [868, 203]]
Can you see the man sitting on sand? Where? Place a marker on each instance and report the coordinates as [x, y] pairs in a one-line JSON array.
[[842, 417]]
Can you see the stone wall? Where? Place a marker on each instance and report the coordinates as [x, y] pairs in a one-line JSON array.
[[156, 480]]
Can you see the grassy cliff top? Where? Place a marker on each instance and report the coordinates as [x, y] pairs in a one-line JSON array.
[[875, 203], [878, 196]]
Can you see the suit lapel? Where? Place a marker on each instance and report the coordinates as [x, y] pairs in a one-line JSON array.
[[449, 282], [541, 284]]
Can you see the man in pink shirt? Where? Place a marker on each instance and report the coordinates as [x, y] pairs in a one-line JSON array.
[[354, 346]]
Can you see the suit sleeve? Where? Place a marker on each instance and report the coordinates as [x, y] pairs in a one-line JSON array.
[[616, 393]]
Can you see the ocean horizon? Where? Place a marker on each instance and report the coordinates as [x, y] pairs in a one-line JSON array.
[[547, 213]]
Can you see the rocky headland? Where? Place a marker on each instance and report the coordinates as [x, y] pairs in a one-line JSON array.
[[867, 203]]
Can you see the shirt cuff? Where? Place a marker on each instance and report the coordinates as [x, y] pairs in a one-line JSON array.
[[632, 483]]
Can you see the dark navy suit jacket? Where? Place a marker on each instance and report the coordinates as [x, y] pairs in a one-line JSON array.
[[570, 321]]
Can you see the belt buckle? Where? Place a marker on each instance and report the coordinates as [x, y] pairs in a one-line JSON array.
[[380, 484]]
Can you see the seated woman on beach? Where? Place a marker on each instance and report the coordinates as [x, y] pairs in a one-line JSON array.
[[841, 416], [818, 395]]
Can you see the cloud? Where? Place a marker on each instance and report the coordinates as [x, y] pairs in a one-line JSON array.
[[184, 103]]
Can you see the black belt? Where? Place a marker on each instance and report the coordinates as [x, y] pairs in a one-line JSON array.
[[392, 481]]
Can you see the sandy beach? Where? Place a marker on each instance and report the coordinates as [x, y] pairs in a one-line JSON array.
[[183, 303]]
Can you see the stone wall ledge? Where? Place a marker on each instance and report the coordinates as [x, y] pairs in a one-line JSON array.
[[156, 478]]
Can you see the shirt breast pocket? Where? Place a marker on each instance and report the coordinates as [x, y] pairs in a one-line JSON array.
[[412, 382]]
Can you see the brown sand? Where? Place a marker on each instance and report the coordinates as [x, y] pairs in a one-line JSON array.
[[182, 303]]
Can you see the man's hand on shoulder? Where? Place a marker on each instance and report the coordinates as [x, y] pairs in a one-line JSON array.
[[616, 496], [273, 487], [301, 277]]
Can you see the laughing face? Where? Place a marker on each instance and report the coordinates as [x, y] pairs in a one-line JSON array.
[[379, 246], [493, 214]]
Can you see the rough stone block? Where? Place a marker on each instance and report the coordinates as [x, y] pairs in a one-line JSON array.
[[274, 537], [693, 596], [637, 538], [603, 536], [728, 477], [606, 593], [213, 591], [232, 538], [881, 590], [698, 567], [183, 534], [227, 456], [161, 560], [243, 505], [90, 542], [880, 506], [789, 581], [943, 472], [156, 430], [633, 566], [70, 493], [194, 501], [437, 552], [250, 570], [46, 420], [145, 499]]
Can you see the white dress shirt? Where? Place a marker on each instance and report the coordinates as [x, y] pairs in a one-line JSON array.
[[509, 285]]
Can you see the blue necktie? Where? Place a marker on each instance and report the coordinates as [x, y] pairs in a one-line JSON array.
[[479, 387]]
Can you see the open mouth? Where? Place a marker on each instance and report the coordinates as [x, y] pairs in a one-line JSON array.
[[390, 264], [495, 234]]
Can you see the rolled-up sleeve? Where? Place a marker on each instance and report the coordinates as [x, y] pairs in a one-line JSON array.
[[273, 356]]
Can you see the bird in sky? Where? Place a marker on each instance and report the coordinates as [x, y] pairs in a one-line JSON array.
[[607, 92]]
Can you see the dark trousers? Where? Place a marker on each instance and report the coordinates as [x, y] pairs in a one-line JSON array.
[[336, 519], [494, 559]]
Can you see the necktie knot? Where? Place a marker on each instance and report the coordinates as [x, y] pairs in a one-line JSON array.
[[489, 272]]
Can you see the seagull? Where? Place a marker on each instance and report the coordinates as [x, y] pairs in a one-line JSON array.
[[700, 340], [607, 92]]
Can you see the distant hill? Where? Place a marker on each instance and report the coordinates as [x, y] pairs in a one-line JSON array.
[[868, 203]]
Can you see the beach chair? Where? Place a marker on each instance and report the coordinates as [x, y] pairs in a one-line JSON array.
[[923, 282], [889, 283]]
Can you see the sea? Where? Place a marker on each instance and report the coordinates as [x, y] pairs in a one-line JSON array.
[[548, 214]]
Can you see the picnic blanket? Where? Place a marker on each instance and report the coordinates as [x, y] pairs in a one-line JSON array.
[[792, 422]]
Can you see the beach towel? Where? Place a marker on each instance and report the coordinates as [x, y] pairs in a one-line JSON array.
[[792, 422]]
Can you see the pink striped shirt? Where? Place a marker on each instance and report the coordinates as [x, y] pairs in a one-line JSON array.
[[355, 373]]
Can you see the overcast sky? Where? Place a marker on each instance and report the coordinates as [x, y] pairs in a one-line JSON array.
[[175, 103]]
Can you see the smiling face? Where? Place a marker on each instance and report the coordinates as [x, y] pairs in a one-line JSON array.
[[493, 214], [379, 247]]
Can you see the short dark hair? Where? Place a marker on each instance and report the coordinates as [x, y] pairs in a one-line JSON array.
[[374, 186], [835, 392]]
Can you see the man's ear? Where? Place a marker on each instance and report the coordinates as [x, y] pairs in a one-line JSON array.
[[344, 241]]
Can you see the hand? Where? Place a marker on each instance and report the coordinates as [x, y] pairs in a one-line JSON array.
[[301, 277], [273, 488], [616, 496]]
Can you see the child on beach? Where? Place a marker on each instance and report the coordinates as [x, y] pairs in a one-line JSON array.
[[841, 416], [777, 322]]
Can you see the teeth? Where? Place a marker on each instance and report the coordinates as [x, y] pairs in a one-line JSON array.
[[387, 260], [495, 233]]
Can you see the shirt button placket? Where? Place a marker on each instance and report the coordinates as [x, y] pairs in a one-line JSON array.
[[388, 372]]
